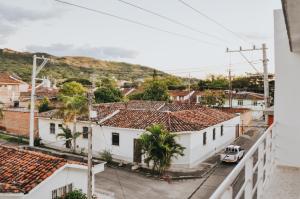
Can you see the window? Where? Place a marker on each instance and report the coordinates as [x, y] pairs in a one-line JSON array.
[[85, 132], [222, 130], [240, 102], [254, 103], [60, 125], [62, 191], [204, 138], [115, 139], [214, 134], [52, 128]]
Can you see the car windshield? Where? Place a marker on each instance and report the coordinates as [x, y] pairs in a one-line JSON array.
[[230, 150]]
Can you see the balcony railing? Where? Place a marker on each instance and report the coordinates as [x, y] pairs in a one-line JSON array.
[[249, 178]]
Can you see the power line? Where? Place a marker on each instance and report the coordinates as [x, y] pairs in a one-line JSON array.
[[137, 23], [212, 20], [172, 20]]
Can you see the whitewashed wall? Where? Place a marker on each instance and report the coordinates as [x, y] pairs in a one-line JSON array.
[[78, 177], [287, 96], [257, 111], [195, 152]]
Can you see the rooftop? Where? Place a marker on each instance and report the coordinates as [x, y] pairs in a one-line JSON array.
[[187, 120], [22, 170], [6, 78]]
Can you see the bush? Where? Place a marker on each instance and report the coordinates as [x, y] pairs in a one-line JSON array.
[[76, 194], [106, 156]]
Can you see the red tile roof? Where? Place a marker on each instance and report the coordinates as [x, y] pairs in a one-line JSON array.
[[6, 78], [22, 170], [181, 93], [179, 107], [188, 120], [247, 95]]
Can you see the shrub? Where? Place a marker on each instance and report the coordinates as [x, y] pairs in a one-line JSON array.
[[106, 156]]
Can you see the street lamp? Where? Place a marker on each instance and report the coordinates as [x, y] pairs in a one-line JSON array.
[[35, 71]]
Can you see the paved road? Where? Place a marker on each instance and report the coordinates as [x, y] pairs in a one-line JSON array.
[[216, 177], [127, 185]]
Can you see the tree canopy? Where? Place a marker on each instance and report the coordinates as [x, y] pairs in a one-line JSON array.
[[156, 90], [159, 147], [108, 94]]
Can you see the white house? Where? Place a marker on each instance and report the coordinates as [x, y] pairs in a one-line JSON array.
[[26, 174], [179, 95], [203, 132], [249, 100]]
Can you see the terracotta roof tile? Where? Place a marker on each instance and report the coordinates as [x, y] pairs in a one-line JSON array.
[[6, 78], [22, 170], [187, 120]]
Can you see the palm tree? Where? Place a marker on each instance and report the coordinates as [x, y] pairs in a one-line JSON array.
[[74, 104], [67, 135], [72, 108], [159, 146]]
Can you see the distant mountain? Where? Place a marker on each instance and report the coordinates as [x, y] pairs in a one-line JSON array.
[[61, 68]]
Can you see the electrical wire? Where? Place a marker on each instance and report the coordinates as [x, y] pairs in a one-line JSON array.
[[172, 20], [213, 20], [139, 23], [249, 62]]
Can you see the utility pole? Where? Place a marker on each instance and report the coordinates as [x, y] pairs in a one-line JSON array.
[[189, 87], [35, 72], [92, 115], [230, 87], [266, 76], [265, 66]]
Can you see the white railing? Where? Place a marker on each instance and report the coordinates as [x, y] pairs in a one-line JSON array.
[[249, 178]]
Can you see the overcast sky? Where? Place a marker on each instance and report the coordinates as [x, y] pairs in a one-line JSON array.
[[49, 26]]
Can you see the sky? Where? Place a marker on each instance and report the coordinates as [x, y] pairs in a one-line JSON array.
[[197, 47]]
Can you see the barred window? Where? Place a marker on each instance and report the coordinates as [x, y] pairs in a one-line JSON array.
[[85, 132], [52, 128], [62, 191]]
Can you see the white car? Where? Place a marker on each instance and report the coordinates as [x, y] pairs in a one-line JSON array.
[[232, 153]]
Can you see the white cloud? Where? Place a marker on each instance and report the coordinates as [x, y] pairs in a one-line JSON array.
[[105, 52], [12, 16]]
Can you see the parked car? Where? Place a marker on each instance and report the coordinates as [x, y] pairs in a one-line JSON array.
[[232, 153]]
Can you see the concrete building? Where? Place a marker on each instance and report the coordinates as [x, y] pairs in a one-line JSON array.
[[32, 175], [274, 171], [248, 100], [9, 89], [180, 96], [203, 132]]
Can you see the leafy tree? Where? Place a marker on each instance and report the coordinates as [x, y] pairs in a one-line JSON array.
[[44, 105], [72, 89], [74, 104], [82, 81], [156, 91], [76, 194], [211, 98], [107, 82], [1, 114], [159, 147], [68, 136], [108, 94], [136, 96], [173, 82]]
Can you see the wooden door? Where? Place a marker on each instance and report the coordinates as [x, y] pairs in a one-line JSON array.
[[137, 151]]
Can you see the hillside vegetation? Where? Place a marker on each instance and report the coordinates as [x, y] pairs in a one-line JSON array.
[[61, 68]]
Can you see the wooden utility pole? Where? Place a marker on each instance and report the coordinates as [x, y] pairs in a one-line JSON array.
[[265, 66]]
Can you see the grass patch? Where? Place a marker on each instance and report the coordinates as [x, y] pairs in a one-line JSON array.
[[14, 139]]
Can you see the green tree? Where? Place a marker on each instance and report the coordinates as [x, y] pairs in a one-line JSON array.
[[68, 136], [1, 114], [72, 89], [76, 194], [156, 91], [108, 94], [74, 104], [44, 105], [82, 81], [213, 99], [159, 147]]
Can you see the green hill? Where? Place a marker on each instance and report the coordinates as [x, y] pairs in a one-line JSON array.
[[61, 68]]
